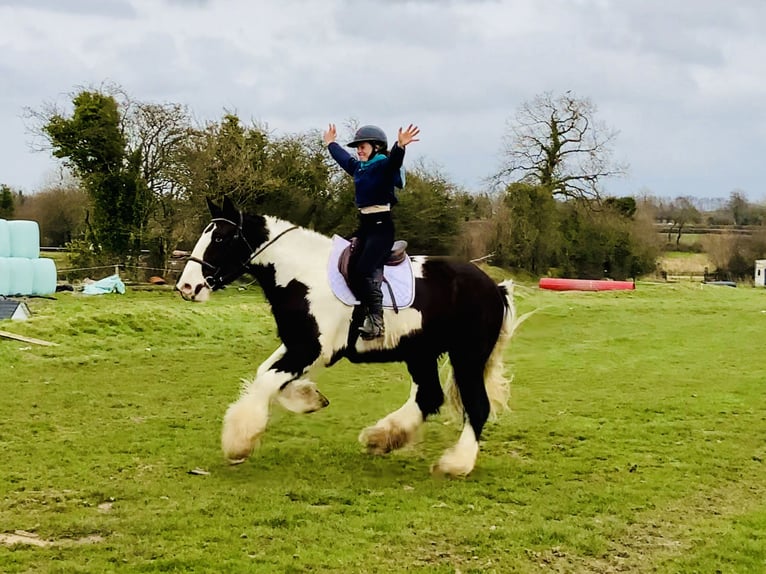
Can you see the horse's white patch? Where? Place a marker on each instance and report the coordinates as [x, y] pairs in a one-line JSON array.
[[417, 262], [191, 283], [461, 458], [397, 325], [273, 358], [395, 430], [331, 315]]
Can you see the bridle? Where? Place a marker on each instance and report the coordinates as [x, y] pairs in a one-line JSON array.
[[214, 280]]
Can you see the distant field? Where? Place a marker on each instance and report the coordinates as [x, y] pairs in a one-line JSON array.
[[686, 238], [635, 444], [680, 263]]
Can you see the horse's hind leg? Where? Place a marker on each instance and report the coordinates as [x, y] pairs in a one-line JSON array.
[[400, 427], [469, 378]]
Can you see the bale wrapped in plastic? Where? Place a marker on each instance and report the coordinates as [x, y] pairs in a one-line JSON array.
[[5, 276], [44, 280], [25, 239], [22, 276], [5, 239]]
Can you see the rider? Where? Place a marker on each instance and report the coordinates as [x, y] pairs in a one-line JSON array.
[[376, 173]]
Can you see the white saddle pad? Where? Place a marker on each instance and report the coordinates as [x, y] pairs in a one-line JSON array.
[[400, 277]]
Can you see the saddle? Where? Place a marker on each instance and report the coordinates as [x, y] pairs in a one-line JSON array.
[[398, 255], [398, 274]]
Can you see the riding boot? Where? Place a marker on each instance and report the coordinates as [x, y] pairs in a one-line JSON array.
[[373, 327]]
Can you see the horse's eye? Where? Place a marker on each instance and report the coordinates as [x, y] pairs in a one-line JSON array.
[[218, 239]]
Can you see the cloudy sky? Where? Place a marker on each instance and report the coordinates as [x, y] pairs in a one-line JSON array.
[[683, 81]]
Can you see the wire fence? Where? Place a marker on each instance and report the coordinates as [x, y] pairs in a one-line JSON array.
[[131, 273]]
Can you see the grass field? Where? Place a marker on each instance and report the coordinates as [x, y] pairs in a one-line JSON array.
[[636, 444]]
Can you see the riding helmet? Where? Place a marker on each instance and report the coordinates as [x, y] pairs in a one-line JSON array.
[[371, 134]]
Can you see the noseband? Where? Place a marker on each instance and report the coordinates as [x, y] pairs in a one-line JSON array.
[[214, 280]]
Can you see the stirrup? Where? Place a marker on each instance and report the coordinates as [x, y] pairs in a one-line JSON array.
[[371, 329]]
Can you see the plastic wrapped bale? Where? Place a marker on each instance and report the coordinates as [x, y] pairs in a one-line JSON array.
[[44, 277], [22, 276], [5, 276], [25, 239], [5, 239]]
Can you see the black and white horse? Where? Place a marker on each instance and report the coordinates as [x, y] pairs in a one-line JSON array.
[[457, 310]]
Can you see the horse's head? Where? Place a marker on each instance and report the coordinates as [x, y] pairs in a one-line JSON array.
[[223, 251]]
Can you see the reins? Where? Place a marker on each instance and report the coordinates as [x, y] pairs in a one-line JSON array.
[[213, 281]]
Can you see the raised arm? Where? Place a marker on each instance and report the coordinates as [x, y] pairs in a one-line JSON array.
[[341, 156], [404, 137]]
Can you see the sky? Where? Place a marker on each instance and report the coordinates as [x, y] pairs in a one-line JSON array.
[[682, 81]]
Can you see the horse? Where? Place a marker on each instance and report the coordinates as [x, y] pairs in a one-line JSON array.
[[457, 310]]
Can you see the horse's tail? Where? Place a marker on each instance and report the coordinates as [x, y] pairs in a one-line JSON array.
[[498, 387]]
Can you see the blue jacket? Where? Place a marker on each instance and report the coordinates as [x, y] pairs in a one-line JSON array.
[[374, 180]]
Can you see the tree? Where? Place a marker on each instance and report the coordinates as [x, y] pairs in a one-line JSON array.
[[430, 212], [288, 176], [60, 212], [93, 145], [6, 202], [604, 243], [155, 134], [742, 211], [527, 229], [682, 212], [625, 205], [557, 144]]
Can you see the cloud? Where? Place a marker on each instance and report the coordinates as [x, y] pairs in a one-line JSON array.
[[680, 80], [112, 8]]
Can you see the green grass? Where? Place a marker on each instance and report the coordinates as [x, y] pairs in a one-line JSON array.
[[636, 443]]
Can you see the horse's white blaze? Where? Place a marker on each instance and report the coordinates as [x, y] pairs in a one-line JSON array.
[[395, 429], [191, 283], [461, 458]]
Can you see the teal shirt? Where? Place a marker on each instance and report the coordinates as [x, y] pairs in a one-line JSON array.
[[375, 180]]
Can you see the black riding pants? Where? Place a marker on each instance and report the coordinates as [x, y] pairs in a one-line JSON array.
[[376, 237]]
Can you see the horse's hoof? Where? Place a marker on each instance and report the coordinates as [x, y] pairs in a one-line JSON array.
[[442, 471], [374, 439], [382, 440], [241, 453], [302, 396], [451, 465]]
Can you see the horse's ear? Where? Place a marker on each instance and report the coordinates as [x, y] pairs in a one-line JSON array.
[[229, 208], [215, 211]]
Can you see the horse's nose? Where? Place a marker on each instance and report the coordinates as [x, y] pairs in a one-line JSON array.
[[186, 290]]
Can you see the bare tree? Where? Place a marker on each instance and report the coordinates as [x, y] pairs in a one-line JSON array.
[[682, 212], [557, 144]]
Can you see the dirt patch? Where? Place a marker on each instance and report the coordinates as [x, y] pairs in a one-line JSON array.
[[662, 536], [32, 539]]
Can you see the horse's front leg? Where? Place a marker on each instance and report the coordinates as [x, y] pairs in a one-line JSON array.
[[302, 396], [246, 419]]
